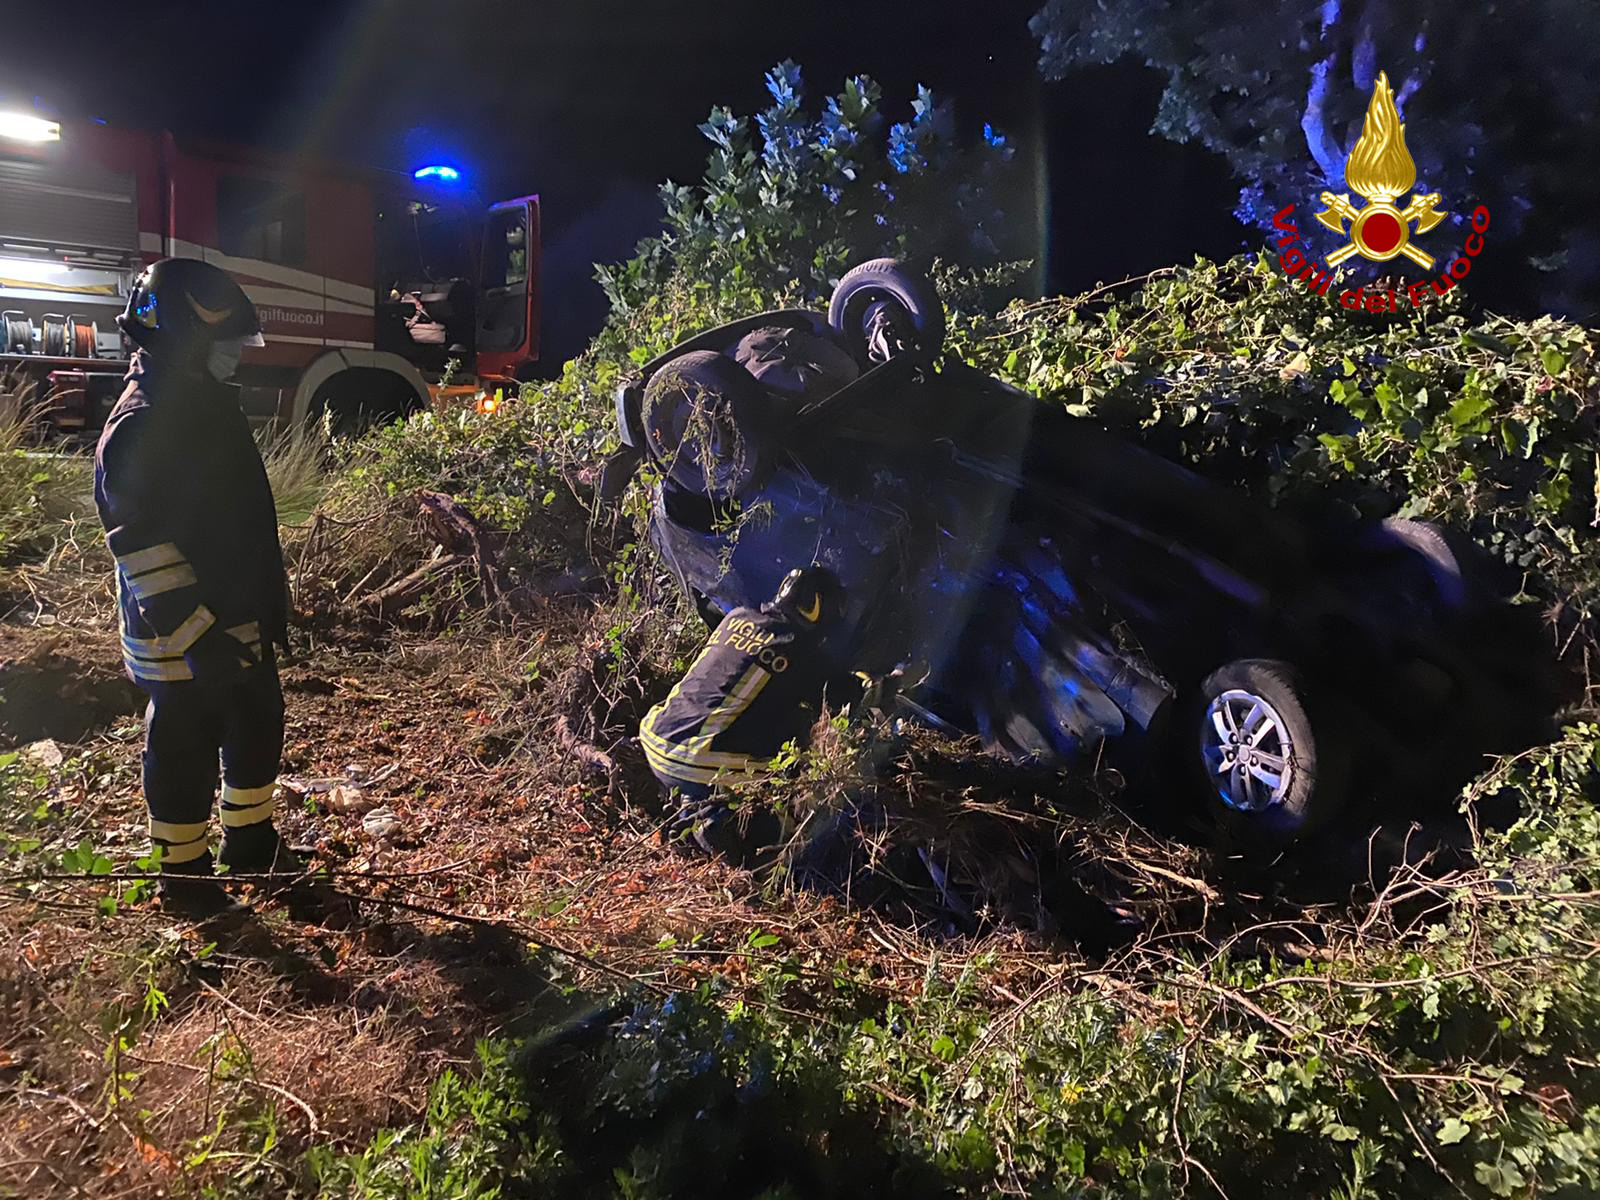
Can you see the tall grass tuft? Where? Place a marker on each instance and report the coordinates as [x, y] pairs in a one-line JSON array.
[[38, 490], [296, 470]]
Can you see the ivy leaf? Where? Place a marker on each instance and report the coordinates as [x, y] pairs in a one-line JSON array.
[[1353, 398], [1486, 341], [1339, 448], [1554, 493], [1074, 1158], [1502, 1179], [1387, 399], [1467, 413], [1452, 1131]]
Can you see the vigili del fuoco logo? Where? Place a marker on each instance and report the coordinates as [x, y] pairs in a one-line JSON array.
[[1380, 170]]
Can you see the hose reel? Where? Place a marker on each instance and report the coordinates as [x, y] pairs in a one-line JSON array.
[[85, 338], [18, 333], [55, 336], [59, 337]]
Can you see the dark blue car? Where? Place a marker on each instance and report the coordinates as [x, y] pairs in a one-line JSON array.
[[1059, 591]]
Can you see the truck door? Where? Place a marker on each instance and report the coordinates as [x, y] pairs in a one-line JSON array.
[[508, 294]]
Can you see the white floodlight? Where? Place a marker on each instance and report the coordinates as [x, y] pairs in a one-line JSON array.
[[22, 127]]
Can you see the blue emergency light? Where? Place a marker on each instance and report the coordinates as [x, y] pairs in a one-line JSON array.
[[441, 173]]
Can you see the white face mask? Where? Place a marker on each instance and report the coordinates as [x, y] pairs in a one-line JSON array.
[[223, 359]]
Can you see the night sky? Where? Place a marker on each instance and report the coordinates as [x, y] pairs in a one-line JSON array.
[[591, 103]]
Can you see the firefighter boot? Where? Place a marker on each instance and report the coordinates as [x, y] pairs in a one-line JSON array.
[[258, 850], [189, 890]]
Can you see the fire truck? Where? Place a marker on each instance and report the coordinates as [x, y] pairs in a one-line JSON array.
[[372, 286]]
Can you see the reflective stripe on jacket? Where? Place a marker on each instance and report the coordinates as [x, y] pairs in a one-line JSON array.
[[757, 685], [189, 518]]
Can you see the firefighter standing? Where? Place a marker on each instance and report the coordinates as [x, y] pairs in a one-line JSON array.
[[189, 518], [757, 685]]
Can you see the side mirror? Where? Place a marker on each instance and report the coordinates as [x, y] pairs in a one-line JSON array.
[[630, 416]]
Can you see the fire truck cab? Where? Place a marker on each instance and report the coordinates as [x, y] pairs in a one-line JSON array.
[[368, 283]]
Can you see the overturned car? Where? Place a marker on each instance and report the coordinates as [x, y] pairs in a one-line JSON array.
[[1060, 592]]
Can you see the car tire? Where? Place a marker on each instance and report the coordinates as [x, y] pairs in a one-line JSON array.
[[705, 424], [884, 289], [1427, 542], [1267, 754]]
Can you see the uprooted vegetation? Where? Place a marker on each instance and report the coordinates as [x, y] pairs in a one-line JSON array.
[[1017, 984]]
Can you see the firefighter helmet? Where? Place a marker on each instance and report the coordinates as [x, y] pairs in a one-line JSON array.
[[808, 595], [179, 307]]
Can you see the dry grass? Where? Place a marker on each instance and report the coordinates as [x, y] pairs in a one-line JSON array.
[[39, 488], [296, 468]]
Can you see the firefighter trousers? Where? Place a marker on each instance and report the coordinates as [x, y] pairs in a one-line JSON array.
[[188, 724]]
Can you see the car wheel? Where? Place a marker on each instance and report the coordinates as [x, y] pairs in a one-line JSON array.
[[705, 421], [883, 309], [1433, 554], [1270, 771]]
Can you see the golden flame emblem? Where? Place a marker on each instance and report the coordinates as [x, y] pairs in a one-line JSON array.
[[1380, 169]]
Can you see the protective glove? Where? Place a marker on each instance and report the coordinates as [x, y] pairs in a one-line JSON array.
[[883, 692], [216, 657]]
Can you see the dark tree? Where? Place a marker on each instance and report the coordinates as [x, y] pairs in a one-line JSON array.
[[1499, 101]]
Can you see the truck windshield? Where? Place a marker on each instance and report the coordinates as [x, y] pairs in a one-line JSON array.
[[424, 243]]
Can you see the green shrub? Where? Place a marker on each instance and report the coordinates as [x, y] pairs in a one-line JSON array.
[[1484, 422], [473, 1137], [1434, 1054], [791, 206]]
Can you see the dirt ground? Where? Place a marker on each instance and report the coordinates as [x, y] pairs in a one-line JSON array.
[[493, 840]]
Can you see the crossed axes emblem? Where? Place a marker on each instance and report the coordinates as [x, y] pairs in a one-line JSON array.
[[1380, 230]]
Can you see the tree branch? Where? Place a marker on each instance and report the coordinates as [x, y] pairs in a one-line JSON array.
[[1364, 54], [1314, 120]]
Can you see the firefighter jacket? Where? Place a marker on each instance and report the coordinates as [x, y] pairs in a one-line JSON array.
[[189, 517], [757, 684]]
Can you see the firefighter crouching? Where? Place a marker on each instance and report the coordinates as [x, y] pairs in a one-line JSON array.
[[189, 517], [757, 685]]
